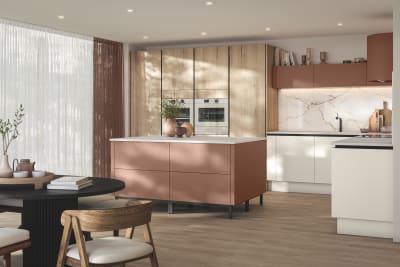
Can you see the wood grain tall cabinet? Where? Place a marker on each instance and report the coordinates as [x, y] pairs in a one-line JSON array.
[[177, 73], [145, 93], [211, 69], [250, 66]]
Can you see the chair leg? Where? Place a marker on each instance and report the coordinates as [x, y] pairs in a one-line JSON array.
[[153, 260], [7, 260]]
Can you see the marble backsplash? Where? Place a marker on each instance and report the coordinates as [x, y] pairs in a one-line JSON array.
[[315, 109]]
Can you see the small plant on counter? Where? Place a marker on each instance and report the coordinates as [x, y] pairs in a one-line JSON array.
[[170, 108], [9, 130]]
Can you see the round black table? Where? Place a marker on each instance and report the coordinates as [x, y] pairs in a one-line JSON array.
[[41, 214]]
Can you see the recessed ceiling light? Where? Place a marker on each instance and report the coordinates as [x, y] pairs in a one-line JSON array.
[[60, 17], [340, 24], [145, 37], [204, 33], [130, 10], [209, 3], [267, 29]]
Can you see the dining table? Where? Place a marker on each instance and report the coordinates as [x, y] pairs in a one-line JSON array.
[[41, 215]]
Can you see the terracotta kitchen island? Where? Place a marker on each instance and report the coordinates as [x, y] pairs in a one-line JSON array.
[[213, 170]]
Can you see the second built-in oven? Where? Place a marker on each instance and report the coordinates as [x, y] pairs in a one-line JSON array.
[[211, 116]]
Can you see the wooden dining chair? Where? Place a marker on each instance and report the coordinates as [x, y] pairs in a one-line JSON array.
[[107, 251], [12, 240]]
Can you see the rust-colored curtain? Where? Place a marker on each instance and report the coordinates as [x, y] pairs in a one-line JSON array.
[[108, 120]]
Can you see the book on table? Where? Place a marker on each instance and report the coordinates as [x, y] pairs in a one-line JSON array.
[[70, 183]]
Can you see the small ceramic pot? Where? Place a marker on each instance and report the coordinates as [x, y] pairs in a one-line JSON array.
[[189, 129], [180, 131]]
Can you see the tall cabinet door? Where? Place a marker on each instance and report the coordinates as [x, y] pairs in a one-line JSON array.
[[211, 72], [146, 93], [177, 73], [247, 90]]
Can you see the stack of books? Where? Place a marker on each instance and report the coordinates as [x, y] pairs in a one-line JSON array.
[[70, 183]]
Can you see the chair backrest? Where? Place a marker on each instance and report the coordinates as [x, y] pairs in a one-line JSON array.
[[136, 213]]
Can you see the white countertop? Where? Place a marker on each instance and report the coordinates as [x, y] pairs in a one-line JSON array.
[[314, 133], [194, 139], [364, 142]]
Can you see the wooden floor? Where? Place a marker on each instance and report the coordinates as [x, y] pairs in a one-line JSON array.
[[289, 230]]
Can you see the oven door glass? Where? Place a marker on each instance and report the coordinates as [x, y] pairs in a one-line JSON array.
[[211, 115], [184, 115]]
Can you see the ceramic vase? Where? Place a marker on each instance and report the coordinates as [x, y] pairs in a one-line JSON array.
[[189, 129], [180, 131], [5, 169], [169, 127]]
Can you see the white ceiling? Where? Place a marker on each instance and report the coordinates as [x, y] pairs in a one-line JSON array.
[[180, 21]]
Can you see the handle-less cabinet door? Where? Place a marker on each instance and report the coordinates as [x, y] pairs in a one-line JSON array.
[[323, 147], [211, 72], [247, 90], [271, 158], [145, 93], [295, 158], [177, 73]]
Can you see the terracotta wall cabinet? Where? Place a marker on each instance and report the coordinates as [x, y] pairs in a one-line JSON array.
[[320, 75], [336, 75], [293, 77], [380, 58]]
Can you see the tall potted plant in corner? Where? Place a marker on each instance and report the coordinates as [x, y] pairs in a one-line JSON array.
[[9, 132], [170, 109]]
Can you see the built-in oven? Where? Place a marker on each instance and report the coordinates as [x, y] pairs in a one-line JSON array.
[[186, 111], [211, 116]]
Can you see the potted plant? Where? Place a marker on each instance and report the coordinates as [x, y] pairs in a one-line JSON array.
[[9, 132], [170, 109]]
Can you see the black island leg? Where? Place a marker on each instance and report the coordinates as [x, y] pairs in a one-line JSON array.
[[247, 206], [42, 219]]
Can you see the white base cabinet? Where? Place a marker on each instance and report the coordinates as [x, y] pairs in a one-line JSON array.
[[295, 158], [299, 163], [362, 191]]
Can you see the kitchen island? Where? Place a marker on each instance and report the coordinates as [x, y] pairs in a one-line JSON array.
[[362, 186], [212, 170]]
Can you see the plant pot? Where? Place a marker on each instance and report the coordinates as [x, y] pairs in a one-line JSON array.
[[180, 131], [169, 127], [5, 169]]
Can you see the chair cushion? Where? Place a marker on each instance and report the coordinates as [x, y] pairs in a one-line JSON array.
[[112, 250], [10, 236]]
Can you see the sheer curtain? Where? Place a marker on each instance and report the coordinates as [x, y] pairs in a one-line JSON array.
[[51, 74]]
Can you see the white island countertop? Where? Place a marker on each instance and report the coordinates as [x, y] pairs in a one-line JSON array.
[[193, 139]]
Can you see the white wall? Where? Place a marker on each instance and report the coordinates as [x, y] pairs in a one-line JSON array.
[[339, 48], [396, 124]]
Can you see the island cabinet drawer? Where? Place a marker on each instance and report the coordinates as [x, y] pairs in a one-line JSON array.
[[144, 184], [141, 156], [201, 188], [200, 158]]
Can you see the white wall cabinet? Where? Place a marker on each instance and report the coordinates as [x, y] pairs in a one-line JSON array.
[[323, 158], [295, 158]]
